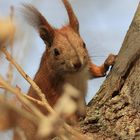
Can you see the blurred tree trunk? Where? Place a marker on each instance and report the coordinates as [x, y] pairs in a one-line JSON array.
[[114, 113]]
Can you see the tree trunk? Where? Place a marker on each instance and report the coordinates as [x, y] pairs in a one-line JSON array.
[[114, 113]]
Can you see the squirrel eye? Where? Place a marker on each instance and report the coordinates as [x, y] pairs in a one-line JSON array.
[[84, 45], [56, 52]]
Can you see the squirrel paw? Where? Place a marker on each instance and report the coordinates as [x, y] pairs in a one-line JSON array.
[[110, 60]]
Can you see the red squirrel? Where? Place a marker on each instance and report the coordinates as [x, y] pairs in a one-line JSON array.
[[65, 60]]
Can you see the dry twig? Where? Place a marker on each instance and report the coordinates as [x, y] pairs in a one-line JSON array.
[[40, 116], [10, 67], [28, 79], [10, 113], [19, 94], [23, 98], [38, 90]]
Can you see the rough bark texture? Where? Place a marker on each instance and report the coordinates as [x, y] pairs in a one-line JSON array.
[[114, 113]]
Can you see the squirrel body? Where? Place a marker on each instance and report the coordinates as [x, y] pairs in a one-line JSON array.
[[65, 60], [71, 66]]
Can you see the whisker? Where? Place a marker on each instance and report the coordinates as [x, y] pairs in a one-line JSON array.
[[93, 56]]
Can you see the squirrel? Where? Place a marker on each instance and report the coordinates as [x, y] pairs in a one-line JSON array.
[[65, 60]]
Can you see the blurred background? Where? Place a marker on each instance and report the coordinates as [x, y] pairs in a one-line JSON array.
[[103, 25]]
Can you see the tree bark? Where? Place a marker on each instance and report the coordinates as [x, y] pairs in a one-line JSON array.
[[114, 113]]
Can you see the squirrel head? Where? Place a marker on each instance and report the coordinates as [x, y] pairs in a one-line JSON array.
[[65, 50]]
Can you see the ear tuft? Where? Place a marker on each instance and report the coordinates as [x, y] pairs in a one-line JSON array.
[[37, 20], [73, 21]]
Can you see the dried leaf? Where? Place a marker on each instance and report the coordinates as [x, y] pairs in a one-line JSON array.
[[53, 124], [67, 104], [7, 29], [65, 108]]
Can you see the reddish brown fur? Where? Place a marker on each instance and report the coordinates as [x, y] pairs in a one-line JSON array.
[[46, 78], [65, 56]]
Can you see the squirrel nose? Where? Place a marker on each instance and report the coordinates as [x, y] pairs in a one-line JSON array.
[[77, 65]]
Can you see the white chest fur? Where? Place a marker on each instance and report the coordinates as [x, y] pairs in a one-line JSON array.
[[79, 80]]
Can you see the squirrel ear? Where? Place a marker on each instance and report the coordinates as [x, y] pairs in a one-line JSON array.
[[46, 36], [37, 20], [73, 21]]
